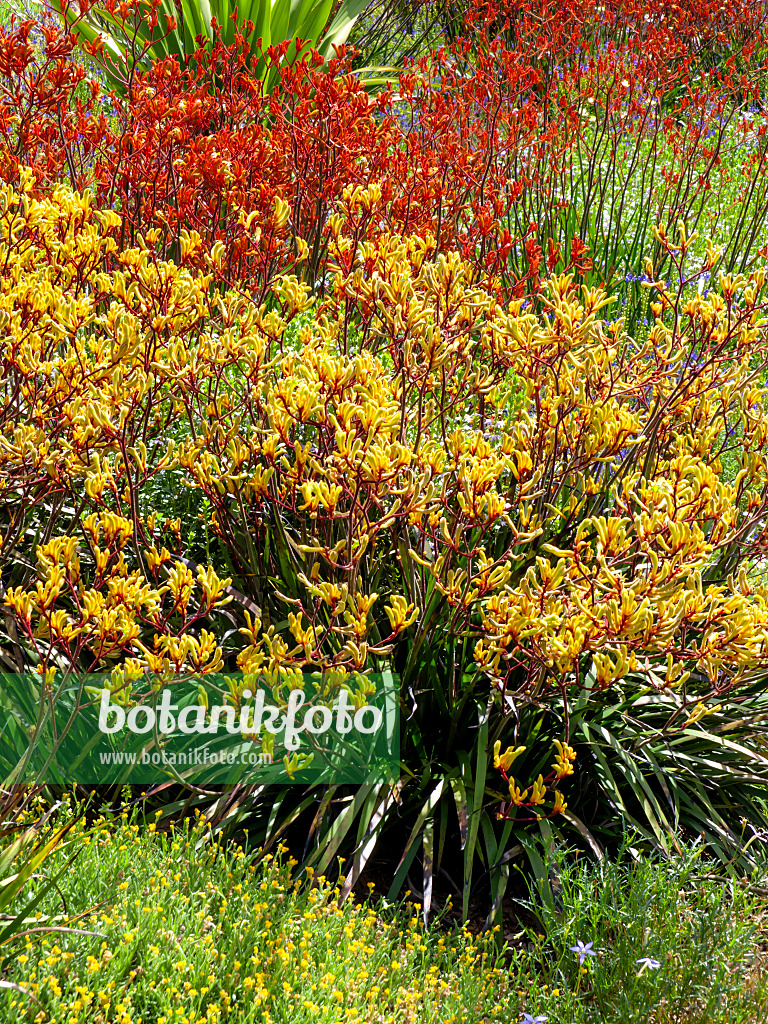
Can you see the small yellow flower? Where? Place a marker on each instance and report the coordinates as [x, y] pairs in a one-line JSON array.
[[563, 758], [539, 792], [504, 761], [515, 795], [401, 614]]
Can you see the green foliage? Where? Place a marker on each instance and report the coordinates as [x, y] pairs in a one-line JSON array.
[[23, 852], [157, 29], [698, 932], [191, 926], [195, 928]]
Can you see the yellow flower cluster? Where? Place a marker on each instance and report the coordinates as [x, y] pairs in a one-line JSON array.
[[410, 457]]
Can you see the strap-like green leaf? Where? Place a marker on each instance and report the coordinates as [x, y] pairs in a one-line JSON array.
[[387, 797], [280, 19], [341, 26], [475, 811], [341, 827], [428, 859]]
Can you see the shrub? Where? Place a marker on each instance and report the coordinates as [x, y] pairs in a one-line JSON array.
[[518, 150], [547, 528]]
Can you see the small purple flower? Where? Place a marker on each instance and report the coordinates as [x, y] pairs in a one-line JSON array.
[[584, 949], [528, 1019], [649, 962]]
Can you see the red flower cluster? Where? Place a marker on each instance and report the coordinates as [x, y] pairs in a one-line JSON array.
[[478, 145]]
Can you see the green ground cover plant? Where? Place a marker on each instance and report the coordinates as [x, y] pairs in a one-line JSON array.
[[191, 931]]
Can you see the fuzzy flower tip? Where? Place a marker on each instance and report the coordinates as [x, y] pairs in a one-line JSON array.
[[649, 962]]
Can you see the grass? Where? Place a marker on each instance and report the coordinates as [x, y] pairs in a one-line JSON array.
[[615, 192], [191, 932]]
